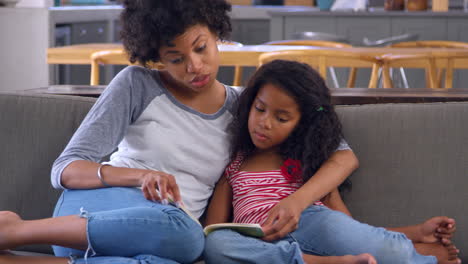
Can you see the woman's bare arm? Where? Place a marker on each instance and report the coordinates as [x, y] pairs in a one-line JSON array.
[[327, 178], [82, 174]]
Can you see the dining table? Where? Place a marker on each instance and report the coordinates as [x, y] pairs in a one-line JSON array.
[[248, 55]]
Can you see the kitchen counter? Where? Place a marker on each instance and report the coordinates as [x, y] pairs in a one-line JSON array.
[[70, 14]]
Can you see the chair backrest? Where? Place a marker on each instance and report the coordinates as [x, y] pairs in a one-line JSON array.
[[232, 61], [430, 44], [115, 57], [316, 43], [450, 58], [324, 58], [422, 60], [321, 43], [120, 57]]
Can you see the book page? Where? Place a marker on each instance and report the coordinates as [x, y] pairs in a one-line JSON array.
[[253, 230]]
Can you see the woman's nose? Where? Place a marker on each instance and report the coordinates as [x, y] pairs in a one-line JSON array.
[[194, 64]]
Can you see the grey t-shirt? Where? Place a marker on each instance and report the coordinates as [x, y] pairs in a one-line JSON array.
[[152, 130]]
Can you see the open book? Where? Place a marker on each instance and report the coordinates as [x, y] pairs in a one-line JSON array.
[[254, 230]]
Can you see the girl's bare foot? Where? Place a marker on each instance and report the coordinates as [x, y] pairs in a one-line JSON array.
[[445, 252], [348, 259], [8, 222], [452, 250], [456, 261]]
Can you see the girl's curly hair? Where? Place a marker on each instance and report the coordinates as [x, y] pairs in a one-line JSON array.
[[318, 133], [149, 24]]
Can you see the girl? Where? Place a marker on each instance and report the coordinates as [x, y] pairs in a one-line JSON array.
[[166, 130], [284, 130]]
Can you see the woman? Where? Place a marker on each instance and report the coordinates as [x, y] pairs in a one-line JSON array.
[[170, 131]]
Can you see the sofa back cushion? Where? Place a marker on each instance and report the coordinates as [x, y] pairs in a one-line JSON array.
[[413, 163], [34, 131]]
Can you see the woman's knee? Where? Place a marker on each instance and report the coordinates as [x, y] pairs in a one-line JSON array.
[[194, 243]]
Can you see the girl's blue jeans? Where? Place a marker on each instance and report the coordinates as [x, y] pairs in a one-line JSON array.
[[322, 232], [123, 227]]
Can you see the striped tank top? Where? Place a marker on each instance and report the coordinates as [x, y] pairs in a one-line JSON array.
[[255, 193]]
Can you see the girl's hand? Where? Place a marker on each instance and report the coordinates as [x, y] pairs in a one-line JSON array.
[[437, 229], [282, 219], [165, 183]]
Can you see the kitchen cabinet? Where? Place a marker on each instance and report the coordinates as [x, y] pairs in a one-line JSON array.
[[247, 32], [81, 33]]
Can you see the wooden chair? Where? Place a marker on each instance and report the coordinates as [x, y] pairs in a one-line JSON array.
[[322, 43], [430, 44], [425, 61], [237, 81], [322, 59], [436, 44], [119, 57], [116, 57]]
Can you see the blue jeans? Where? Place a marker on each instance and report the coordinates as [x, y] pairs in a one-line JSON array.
[[124, 227], [322, 232]]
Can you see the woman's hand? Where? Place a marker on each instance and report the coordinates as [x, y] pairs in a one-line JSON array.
[[282, 219], [155, 181]]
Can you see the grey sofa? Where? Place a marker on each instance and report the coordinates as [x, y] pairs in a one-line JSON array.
[[413, 158]]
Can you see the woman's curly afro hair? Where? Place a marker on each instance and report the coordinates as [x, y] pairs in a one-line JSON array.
[[318, 133], [149, 24]]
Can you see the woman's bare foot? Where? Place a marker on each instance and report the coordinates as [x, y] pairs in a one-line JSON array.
[[348, 259], [8, 222]]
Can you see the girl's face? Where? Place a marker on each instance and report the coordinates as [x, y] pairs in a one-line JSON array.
[[193, 61], [273, 116]]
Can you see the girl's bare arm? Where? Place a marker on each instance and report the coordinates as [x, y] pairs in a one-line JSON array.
[[333, 201], [220, 207]]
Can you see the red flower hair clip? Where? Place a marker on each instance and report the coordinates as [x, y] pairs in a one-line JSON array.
[[292, 170]]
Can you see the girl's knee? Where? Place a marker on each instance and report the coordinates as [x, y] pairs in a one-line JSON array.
[[399, 249], [216, 246]]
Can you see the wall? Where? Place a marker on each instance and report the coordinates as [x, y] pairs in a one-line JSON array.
[[23, 48], [35, 3]]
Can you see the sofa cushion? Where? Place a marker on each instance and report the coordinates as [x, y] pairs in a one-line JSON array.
[[413, 163], [34, 130]]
